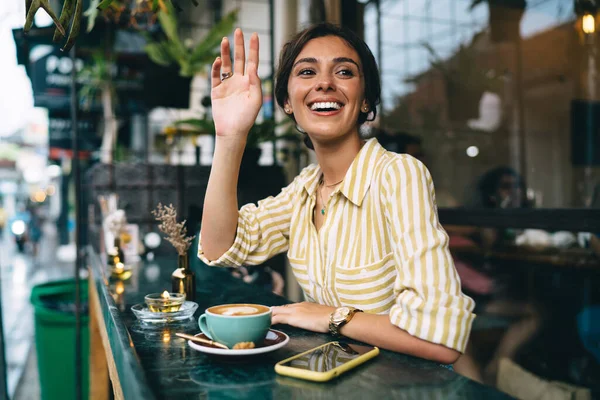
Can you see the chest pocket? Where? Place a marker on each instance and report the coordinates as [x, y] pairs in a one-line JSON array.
[[300, 268], [369, 287]]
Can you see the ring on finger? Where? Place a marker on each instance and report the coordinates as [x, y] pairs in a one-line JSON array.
[[226, 75]]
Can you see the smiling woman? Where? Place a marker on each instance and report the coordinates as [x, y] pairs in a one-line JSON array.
[[360, 227]]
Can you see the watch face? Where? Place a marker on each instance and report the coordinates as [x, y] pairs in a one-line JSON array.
[[341, 314]]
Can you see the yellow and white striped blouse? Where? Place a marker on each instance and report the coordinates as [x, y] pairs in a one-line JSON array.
[[381, 247]]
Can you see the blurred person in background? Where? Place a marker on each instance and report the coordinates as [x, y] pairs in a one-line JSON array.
[[34, 229], [497, 293], [18, 226]]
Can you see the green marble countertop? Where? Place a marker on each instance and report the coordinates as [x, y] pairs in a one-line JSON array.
[[154, 363]]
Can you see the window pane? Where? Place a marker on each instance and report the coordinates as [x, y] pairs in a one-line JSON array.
[[496, 94]]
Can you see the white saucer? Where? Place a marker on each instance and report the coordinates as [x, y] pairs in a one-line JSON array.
[[274, 340]]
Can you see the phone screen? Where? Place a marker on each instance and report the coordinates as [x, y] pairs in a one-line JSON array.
[[328, 357]]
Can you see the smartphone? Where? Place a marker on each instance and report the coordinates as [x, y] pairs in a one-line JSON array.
[[326, 362]]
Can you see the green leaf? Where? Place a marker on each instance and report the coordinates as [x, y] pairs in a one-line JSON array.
[[205, 49], [104, 4], [158, 53], [91, 14], [186, 69], [168, 22], [176, 53]]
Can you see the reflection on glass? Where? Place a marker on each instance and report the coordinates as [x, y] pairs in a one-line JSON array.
[[493, 85], [119, 287], [118, 294], [121, 271], [328, 357]]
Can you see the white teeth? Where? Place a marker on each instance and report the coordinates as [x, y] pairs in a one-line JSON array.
[[325, 105]]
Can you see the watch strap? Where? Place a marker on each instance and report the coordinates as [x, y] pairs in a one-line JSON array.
[[334, 328]]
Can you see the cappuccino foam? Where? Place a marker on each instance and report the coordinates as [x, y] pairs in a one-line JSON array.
[[243, 310], [239, 309]]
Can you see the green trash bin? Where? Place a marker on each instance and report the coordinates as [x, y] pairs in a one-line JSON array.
[[54, 305]]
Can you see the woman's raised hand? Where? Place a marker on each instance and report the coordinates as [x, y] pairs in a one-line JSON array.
[[236, 91]]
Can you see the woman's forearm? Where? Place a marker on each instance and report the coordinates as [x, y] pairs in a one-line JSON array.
[[220, 213], [377, 330]]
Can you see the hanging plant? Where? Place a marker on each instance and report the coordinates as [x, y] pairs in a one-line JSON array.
[[72, 12], [191, 59], [70, 15]]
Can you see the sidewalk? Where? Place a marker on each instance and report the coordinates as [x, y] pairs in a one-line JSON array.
[[19, 273]]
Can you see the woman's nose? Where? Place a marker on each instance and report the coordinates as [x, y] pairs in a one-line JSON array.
[[325, 84]]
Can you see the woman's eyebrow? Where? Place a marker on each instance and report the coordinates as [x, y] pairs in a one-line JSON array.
[[336, 60], [311, 60]]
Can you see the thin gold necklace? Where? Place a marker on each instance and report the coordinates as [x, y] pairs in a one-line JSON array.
[[323, 206], [333, 184]]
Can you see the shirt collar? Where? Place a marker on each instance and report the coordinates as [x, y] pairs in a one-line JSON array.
[[358, 177]]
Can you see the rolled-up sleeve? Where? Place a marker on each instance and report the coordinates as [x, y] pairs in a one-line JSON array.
[[430, 304], [262, 231]]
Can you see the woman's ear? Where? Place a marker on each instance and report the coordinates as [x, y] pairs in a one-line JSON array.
[[365, 107], [287, 108]]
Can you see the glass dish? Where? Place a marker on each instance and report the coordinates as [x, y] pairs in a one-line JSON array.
[[186, 311], [157, 303]]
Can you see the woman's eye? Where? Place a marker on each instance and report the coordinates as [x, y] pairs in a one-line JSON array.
[[306, 72], [346, 72]]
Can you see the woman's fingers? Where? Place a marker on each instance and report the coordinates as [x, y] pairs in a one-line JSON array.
[[282, 314], [279, 319], [252, 65], [216, 73], [225, 57], [239, 56]]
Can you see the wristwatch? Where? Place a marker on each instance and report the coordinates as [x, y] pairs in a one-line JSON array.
[[340, 317]]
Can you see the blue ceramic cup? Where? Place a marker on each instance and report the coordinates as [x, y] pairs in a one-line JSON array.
[[234, 323]]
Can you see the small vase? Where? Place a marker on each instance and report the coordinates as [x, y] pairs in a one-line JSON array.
[[115, 254], [183, 279]]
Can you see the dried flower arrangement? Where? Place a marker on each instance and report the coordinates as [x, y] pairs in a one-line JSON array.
[[175, 232]]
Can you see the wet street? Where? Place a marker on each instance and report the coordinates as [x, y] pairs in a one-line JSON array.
[[19, 273]]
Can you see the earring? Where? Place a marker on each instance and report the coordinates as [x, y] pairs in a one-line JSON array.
[[287, 109], [365, 108]]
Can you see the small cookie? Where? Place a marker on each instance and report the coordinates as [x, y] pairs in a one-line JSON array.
[[243, 345]]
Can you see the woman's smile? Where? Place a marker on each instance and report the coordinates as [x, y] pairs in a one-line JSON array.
[[326, 107]]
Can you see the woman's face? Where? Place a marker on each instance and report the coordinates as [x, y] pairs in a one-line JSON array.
[[326, 89]]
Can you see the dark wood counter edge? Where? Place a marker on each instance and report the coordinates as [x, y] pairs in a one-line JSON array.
[[551, 219], [128, 376], [571, 260]]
